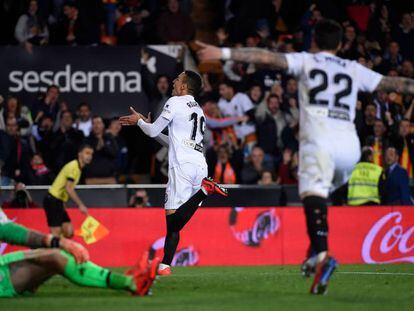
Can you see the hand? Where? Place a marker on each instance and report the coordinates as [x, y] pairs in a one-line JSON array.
[[208, 52], [39, 115], [28, 47], [132, 119], [389, 118], [83, 209], [144, 56], [70, 38], [293, 103], [80, 253], [287, 156], [221, 35], [243, 119], [146, 119]]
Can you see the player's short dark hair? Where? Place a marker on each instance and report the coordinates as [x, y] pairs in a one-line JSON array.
[[84, 146], [328, 34], [193, 81]]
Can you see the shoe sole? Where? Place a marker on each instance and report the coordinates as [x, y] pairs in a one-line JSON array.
[[320, 285]]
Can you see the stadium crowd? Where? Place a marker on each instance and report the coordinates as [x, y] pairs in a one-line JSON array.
[[252, 112]]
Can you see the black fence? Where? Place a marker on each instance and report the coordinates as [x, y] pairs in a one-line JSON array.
[[118, 195]]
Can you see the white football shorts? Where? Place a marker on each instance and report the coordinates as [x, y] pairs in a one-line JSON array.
[[183, 182], [325, 166]]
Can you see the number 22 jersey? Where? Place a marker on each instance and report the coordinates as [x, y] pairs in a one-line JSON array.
[[328, 90]]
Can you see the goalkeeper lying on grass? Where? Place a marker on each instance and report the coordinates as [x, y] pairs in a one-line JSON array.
[[24, 271]]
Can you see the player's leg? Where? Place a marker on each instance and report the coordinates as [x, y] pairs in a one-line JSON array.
[[36, 267], [40, 265], [187, 183], [316, 170], [55, 214], [56, 231], [67, 230], [196, 187], [177, 186]]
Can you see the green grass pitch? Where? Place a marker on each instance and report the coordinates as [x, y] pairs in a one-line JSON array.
[[353, 287]]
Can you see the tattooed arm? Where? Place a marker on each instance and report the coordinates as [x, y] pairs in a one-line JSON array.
[[248, 55], [396, 84], [259, 56]]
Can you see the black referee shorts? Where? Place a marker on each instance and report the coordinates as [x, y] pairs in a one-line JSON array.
[[55, 212]]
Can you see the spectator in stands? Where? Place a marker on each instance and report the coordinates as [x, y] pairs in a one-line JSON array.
[[392, 58], [256, 93], [132, 32], [103, 166], [232, 104], [39, 174], [407, 69], [43, 136], [219, 130], [267, 178], [379, 26], [367, 181], [404, 35], [84, 119], [252, 170], [404, 141], [175, 26], [225, 164], [31, 29], [139, 199], [66, 142], [381, 101], [365, 122], [82, 24], [397, 182], [271, 122], [21, 198], [158, 90], [291, 89], [287, 173], [378, 142], [47, 104], [17, 154], [114, 129], [349, 47], [14, 108]]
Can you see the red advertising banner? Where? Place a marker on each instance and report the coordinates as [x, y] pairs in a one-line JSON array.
[[243, 236]]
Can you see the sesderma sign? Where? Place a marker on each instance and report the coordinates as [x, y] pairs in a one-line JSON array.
[[79, 81]]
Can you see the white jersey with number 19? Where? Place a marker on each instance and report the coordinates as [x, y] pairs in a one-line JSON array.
[[185, 130], [329, 145]]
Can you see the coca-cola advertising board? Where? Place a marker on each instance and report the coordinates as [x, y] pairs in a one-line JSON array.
[[243, 236]]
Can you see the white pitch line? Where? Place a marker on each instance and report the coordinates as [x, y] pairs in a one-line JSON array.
[[298, 273], [376, 273]]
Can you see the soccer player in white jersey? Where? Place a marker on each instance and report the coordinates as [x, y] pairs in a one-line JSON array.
[[188, 184], [329, 147]]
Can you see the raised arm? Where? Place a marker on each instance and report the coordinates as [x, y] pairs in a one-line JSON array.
[[150, 129], [396, 84], [247, 55], [18, 235]]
